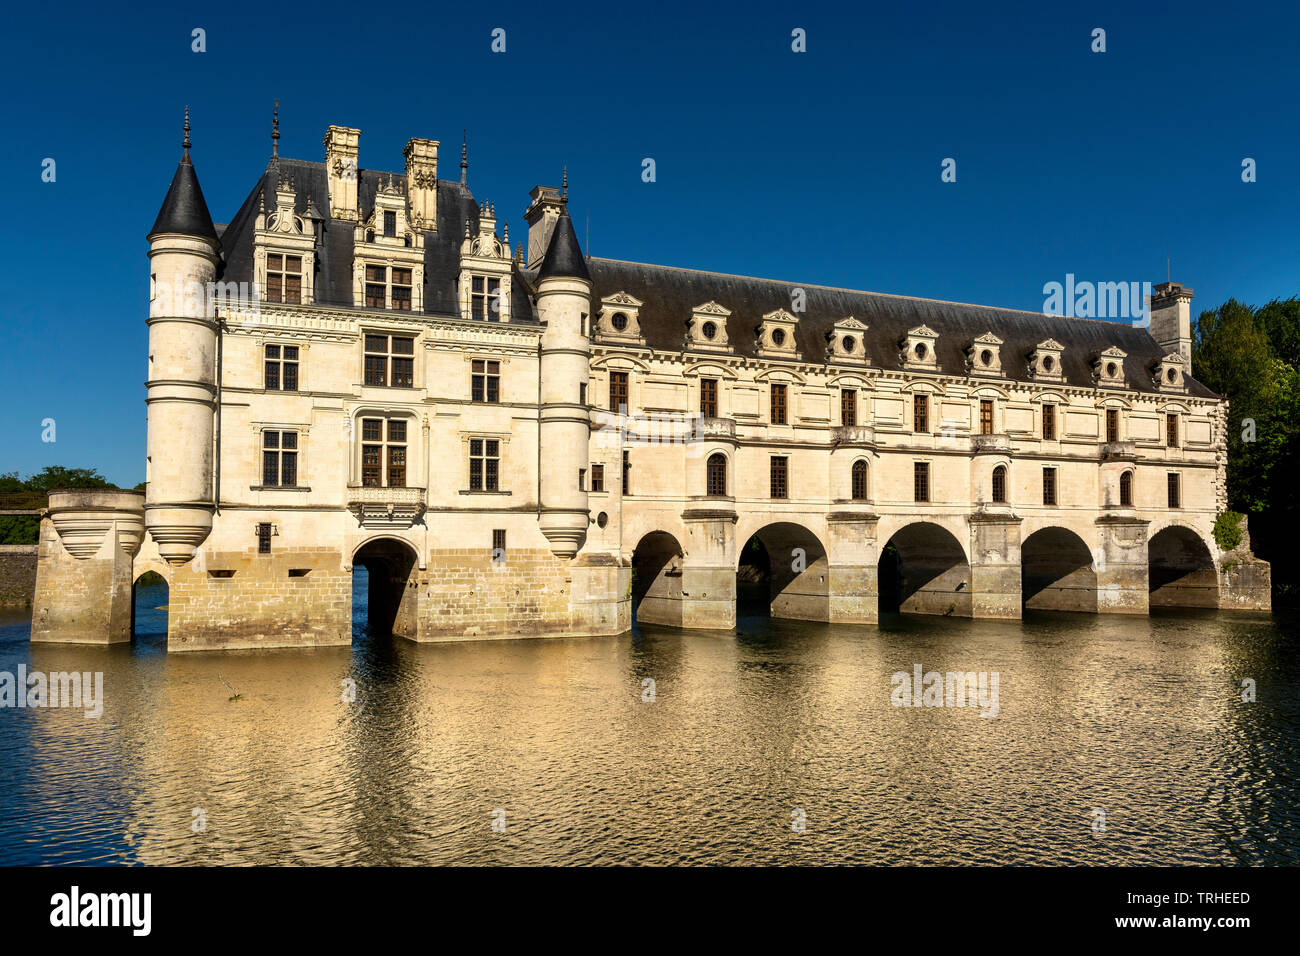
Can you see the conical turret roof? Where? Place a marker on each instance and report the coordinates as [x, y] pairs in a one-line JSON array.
[[563, 254]]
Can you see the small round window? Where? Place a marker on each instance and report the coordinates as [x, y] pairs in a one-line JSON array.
[[920, 350], [986, 357], [1170, 376], [709, 330], [619, 321], [1049, 363], [1111, 369], [848, 343], [778, 337], [602, 519]]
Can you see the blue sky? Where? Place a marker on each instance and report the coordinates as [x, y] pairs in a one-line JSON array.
[[817, 167]]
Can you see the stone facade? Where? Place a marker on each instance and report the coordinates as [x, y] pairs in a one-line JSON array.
[[549, 447], [17, 574]]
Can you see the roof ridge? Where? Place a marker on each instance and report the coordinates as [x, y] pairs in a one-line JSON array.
[[887, 295]]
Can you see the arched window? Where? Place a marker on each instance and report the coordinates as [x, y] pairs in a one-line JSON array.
[[1000, 484], [859, 481], [1126, 490], [717, 475]]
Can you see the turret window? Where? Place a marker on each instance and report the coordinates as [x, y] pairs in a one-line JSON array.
[[279, 459], [283, 278], [859, 484], [390, 361], [717, 475], [1126, 490], [281, 368], [1000, 484]]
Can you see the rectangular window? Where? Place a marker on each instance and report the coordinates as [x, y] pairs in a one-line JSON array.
[[1049, 422], [484, 463], [778, 404], [709, 397], [485, 381], [582, 393], [484, 297], [921, 481], [582, 479], [1174, 501], [1049, 486], [986, 416], [282, 368], [498, 544], [848, 406], [920, 414], [1171, 431], [279, 459], [390, 224], [390, 360], [402, 289], [627, 472], [383, 452], [377, 287], [1112, 424], [618, 392], [999, 484], [264, 537], [597, 477], [780, 477], [283, 278]]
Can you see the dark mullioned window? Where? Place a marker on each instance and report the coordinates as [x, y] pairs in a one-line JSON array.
[[1112, 424], [1049, 422], [778, 404], [485, 381], [986, 417], [390, 361], [1174, 497], [1126, 490], [279, 459], [921, 481], [920, 413], [282, 368], [1000, 484], [780, 477], [848, 406], [717, 475], [618, 392], [709, 397], [1171, 431], [1049, 486], [859, 490]]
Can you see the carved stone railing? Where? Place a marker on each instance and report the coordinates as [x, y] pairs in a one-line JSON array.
[[981, 444], [386, 507]]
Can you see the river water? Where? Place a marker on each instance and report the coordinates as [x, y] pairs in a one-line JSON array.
[[1116, 740]]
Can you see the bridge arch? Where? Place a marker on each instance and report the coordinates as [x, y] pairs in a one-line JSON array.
[[924, 570], [392, 593], [782, 570], [1057, 571], [151, 588], [1181, 570], [657, 579]]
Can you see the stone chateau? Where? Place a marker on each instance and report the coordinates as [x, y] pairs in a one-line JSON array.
[[359, 369]]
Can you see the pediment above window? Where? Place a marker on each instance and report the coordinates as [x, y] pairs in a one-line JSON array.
[[1108, 368], [846, 342], [619, 319], [706, 330], [1170, 373]]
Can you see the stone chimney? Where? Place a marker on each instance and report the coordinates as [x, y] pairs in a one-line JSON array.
[[422, 182], [1171, 319], [341, 150], [541, 216]]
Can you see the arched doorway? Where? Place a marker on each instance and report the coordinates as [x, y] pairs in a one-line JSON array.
[[923, 570], [1056, 572], [150, 605], [782, 572], [385, 596], [1181, 570], [657, 580]]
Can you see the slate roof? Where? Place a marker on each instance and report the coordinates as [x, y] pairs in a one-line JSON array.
[[563, 255], [670, 294], [183, 210], [333, 281]]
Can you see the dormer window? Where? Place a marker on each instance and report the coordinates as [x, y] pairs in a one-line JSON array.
[[707, 328], [846, 342], [1167, 374], [617, 320], [776, 335], [484, 297], [390, 224], [1045, 361], [916, 349], [984, 355], [377, 287], [283, 278], [1108, 368]]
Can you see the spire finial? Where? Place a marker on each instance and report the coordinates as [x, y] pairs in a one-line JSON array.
[[464, 155], [185, 144], [564, 190], [275, 131]]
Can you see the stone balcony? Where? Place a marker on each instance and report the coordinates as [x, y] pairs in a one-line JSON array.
[[714, 428], [853, 435], [986, 444], [1119, 451], [710, 508], [386, 507]]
